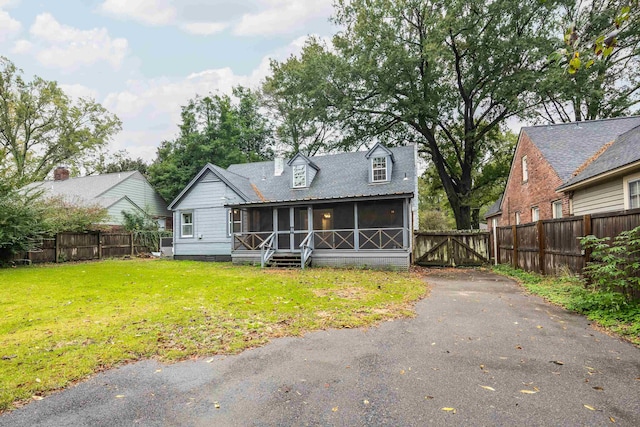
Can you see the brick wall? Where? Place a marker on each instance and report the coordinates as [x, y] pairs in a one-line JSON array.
[[538, 190]]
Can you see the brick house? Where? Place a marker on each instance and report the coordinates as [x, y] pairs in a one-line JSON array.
[[558, 166]]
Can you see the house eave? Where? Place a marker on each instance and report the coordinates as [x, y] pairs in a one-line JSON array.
[[316, 200], [601, 177]]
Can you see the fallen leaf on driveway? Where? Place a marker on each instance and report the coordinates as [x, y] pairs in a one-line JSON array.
[[598, 388], [334, 409], [452, 410], [518, 347], [119, 396], [557, 362], [528, 391], [613, 420], [402, 372], [486, 387], [428, 397], [34, 397], [539, 327], [216, 405], [366, 402], [209, 360], [589, 407]]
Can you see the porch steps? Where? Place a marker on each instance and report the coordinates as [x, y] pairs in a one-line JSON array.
[[285, 260]]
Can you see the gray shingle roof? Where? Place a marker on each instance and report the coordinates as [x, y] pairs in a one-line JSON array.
[[85, 188], [344, 175], [568, 146], [625, 150], [494, 209]]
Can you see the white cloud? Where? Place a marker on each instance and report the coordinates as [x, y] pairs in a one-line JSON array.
[[76, 91], [151, 12], [67, 48], [9, 27], [204, 28], [150, 109], [282, 16], [21, 47]]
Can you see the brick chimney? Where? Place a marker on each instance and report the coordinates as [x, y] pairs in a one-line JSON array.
[[60, 173]]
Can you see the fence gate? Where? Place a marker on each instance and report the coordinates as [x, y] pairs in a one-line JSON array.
[[451, 248]]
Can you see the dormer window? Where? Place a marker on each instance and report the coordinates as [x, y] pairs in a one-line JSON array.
[[299, 176], [379, 169]]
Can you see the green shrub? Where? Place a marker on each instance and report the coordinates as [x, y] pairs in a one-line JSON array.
[[615, 264]]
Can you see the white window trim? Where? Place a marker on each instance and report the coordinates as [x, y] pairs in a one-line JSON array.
[[535, 209], [518, 218], [303, 168], [182, 224], [383, 168], [525, 169], [553, 209], [231, 223], [625, 187]]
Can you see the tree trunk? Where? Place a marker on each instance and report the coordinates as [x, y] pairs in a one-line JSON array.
[[463, 217]]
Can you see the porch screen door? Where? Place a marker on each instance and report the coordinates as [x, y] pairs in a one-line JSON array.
[[293, 226]]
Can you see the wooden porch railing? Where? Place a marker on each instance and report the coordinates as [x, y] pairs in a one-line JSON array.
[[368, 238]]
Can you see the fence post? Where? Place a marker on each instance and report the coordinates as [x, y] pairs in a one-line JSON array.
[[57, 248], [99, 245], [131, 241], [515, 246], [586, 228], [541, 247]]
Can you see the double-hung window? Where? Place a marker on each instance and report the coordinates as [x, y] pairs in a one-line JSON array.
[[525, 169], [379, 169], [299, 176], [634, 194], [556, 208], [235, 222], [535, 214], [517, 218], [186, 224]]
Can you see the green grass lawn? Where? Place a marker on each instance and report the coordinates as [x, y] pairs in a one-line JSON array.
[[61, 323]]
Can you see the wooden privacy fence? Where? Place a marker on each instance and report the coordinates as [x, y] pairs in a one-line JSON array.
[[84, 246], [451, 248], [553, 246]]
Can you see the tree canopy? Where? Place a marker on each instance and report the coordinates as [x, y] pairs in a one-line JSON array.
[[444, 75], [217, 129], [600, 77], [40, 127]]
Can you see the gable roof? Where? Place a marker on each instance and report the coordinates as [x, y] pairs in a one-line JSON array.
[[306, 159], [343, 175], [567, 146], [384, 148], [239, 184], [84, 188], [495, 208], [624, 151]]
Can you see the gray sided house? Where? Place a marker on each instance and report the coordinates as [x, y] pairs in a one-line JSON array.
[[334, 210], [116, 192]]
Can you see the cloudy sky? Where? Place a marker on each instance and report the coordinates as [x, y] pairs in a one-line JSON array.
[[143, 59]]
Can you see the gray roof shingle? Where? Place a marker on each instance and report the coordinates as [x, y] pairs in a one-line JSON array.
[[82, 189], [625, 150], [343, 175], [494, 209], [568, 146]]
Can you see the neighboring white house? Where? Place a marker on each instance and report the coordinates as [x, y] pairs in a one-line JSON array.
[[116, 192], [340, 209]]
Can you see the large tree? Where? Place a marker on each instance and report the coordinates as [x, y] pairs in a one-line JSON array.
[[600, 77], [295, 94], [40, 127], [441, 74], [217, 129]]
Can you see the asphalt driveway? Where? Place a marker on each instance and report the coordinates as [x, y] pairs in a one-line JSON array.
[[479, 352]]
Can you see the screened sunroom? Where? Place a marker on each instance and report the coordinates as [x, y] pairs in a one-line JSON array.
[[360, 232]]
